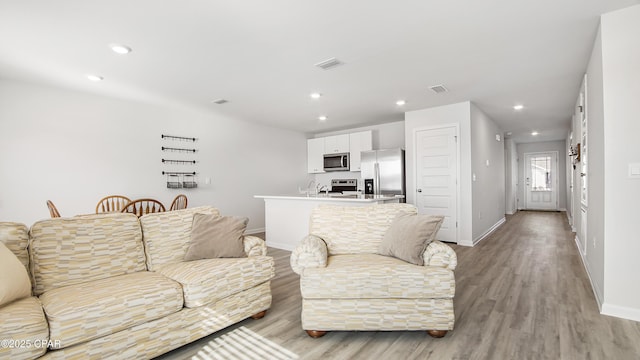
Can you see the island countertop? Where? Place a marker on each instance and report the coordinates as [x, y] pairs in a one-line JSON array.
[[287, 216], [362, 198]]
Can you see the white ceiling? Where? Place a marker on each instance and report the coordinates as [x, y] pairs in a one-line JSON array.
[[260, 55]]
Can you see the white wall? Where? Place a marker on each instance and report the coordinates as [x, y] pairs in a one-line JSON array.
[[487, 163], [558, 146], [74, 148], [621, 91], [384, 136], [458, 115]]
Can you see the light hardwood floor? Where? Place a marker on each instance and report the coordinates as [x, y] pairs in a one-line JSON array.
[[522, 293]]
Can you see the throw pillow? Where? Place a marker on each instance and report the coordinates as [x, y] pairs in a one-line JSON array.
[[408, 237], [215, 236], [14, 280]]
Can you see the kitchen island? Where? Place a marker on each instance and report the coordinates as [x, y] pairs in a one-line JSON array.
[[287, 216]]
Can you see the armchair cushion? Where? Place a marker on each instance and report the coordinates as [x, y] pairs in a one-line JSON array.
[[372, 276], [215, 236], [408, 237]]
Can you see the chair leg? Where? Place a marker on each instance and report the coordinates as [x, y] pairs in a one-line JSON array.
[[437, 333], [315, 333], [259, 315]]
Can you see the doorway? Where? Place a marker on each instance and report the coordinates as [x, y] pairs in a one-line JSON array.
[[541, 181], [437, 178]]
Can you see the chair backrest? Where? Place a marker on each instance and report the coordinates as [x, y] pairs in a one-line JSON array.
[[112, 203], [179, 203], [52, 209], [143, 206], [355, 229]]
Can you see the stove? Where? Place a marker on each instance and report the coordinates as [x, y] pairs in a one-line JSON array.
[[340, 185]]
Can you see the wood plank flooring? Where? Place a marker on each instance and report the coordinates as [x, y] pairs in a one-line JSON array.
[[521, 293]]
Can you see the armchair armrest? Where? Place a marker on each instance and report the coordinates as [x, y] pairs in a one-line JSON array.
[[440, 254], [310, 252], [254, 246]]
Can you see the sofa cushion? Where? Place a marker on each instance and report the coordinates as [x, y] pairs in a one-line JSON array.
[[214, 236], [209, 280], [82, 312], [375, 276], [23, 321], [68, 251], [14, 280], [167, 234], [354, 229], [408, 237]]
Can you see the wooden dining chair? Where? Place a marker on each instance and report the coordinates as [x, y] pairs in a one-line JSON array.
[[112, 203], [53, 211], [179, 203], [143, 206]]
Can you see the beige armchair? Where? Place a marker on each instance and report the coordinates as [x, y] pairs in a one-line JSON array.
[[346, 285]]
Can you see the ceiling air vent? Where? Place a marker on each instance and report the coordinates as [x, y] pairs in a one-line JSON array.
[[329, 64], [220, 101], [438, 89]]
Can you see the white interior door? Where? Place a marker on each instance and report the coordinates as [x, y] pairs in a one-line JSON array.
[[541, 181], [436, 178]]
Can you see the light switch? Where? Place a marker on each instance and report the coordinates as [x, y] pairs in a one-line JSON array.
[[207, 180], [473, 177], [487, 162], [634, 171]]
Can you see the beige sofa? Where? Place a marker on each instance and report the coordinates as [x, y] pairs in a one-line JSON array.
[[115, 286], [346, 285]]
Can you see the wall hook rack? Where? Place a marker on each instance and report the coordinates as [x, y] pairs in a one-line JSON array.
[[173, 137], [164, 148], [178, 162]]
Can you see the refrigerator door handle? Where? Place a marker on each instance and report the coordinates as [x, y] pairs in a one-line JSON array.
[[376, 179]]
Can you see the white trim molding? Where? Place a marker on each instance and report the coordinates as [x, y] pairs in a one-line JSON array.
[[622, 312], [488, 232]]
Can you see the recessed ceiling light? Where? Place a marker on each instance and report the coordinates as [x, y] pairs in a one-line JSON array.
[[518, 107], [95, 77], [400, 102], [534, 133], [322, 118], [315, 95], [120, 49]]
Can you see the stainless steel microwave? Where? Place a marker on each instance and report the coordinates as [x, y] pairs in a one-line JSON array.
[[336, 162]]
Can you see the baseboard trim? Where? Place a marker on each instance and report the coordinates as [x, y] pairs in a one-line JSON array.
[[594, 287], [622, 312], [254, 231], [488, 232]]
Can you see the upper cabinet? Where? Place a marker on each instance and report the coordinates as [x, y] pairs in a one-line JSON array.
[[336, 144], [358, 142], [352, 143], [315, 155]]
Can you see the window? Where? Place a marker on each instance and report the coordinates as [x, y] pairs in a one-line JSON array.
[[541, 173]]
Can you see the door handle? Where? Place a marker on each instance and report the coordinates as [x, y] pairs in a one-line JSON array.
[[419, 190], [583, 174]]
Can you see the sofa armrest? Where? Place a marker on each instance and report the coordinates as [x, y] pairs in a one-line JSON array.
[[440, 254], [254, 246], [310, 252]]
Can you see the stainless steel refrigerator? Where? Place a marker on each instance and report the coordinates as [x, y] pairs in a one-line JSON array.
[[382, 172]]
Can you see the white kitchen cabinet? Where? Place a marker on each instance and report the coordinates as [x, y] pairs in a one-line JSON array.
[[358, 141], [336, 144], [315, 156]]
